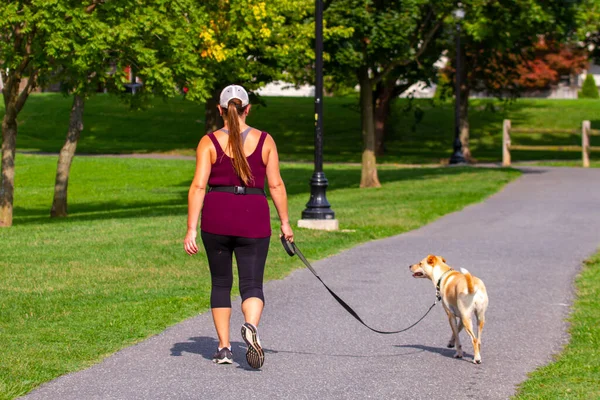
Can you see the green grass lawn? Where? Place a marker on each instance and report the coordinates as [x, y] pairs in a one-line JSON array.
[[176, 126], [576, 372], [75, 290]]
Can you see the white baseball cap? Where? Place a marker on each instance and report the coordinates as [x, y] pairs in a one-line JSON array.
[[233, 92]]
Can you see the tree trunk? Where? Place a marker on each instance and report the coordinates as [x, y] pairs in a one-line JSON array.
[[9, 145], [59, 203], [7, 189], [212, 118], [464, 122], [464, 106], [369, 164], [382, 111]]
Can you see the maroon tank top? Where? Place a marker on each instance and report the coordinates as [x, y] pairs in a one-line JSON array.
[[233, 214]]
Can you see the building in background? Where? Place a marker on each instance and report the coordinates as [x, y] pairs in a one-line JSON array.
[[282, 89]]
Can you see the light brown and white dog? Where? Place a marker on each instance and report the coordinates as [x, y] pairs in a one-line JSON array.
[[462, 294]]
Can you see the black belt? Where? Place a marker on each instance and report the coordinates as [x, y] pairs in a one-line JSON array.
[[237, 190]]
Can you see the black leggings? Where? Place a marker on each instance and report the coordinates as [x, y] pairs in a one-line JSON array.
[[250, 255]]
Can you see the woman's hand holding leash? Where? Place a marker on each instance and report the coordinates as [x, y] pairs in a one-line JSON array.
[[286, 231]]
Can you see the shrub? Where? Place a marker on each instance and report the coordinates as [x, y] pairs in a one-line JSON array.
[[589, 90], [444, 88]]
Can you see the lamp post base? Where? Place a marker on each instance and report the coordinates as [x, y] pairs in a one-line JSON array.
[[318, 208], [458, 157], [320, 224]]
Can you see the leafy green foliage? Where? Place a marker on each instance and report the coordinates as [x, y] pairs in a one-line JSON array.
[[589, 90], [163, 42], [588, 27], [380, 35], [444, 89], [251, 40], [251, 43], [89, 46], [21, 39]]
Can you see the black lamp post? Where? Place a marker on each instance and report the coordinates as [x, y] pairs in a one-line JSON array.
[[318, 207], [457, 156]]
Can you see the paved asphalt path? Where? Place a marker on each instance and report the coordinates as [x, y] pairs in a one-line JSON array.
[[527, 243]]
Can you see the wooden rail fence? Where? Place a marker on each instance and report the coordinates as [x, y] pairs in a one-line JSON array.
[[586, 131]]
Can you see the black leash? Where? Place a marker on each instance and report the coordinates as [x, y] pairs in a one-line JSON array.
[[292, 249]]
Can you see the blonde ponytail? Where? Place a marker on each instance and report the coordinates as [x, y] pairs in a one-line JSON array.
[[235, 145]]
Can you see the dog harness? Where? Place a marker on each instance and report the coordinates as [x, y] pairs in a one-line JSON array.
[[439, 282]]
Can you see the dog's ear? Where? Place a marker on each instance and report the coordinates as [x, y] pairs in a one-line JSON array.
[[431, 260]]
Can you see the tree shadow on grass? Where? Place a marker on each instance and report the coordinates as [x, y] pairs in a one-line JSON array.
[[297, 179], [102, 211]]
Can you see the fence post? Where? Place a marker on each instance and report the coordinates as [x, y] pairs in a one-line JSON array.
[[585, 143], [506, 143]]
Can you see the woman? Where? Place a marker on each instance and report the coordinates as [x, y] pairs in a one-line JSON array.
[[234, 161]]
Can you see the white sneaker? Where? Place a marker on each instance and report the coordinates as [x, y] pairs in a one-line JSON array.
[[255, 354]]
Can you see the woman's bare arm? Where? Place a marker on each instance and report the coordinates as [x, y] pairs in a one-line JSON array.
[[277, 187], [197, 192]]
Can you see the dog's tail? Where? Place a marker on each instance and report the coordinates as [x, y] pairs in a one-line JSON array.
[[469, 279]]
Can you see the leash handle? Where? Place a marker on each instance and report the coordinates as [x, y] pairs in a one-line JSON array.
[[292, 249]]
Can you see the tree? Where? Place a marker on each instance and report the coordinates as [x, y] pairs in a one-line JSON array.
[[253, 43], [588, 23], [397, 83], [589, 90], [549, 62], [78, 49], [21, 35], [386, 40], [161, 45], [497, 37]]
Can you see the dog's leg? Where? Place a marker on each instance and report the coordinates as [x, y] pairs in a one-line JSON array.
[[452, 320], [452, 339], [480, 322], [469, 328]]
